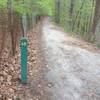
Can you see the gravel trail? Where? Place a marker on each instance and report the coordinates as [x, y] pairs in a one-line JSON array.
[[73, 71]]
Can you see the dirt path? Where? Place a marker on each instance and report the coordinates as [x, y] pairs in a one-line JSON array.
[[73, 66]]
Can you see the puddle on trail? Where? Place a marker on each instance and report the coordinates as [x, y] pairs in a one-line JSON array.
[[73, 72]]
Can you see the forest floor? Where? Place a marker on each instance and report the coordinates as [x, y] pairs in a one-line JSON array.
[[10, 83], [60, 67]]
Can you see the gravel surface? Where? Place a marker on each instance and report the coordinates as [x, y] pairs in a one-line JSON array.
[[73, 70]]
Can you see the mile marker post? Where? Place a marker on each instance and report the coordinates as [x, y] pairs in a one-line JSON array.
[[24, 50], [24, 46]]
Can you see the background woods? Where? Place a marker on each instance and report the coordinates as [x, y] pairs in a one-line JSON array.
[[76, 16], [17, 17], [80, 17]]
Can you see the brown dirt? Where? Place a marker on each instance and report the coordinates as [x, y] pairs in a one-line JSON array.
[[77, 42]]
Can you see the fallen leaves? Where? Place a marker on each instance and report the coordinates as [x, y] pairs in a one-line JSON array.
[[10, 87]]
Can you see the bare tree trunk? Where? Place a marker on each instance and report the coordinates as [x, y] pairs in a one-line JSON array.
[[91, 17], [57, 11], [96, 18], [24, 25], [71, 11], [78, 13], [10, 25]]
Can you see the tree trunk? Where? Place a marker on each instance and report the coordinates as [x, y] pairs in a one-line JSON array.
[[77, 15], [57, 11], [71, 11], [96, 18], [10, 25]]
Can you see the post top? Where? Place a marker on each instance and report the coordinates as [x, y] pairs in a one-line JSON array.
[[24, 38]]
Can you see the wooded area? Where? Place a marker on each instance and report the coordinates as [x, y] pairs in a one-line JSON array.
[[26, 18], [16, 15], [80, 17], [76, 16]]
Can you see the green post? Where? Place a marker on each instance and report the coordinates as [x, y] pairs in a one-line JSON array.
[[24, 46]]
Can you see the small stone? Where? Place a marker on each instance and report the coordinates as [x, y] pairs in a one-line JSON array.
[[42, 93], [36, 70], [11, 91], [49, 85], [34, 62], [0, 96], [9, 99], [9, 79], [1, 79], [12, 68], [4, 73], [39, 86], [63, 77]]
